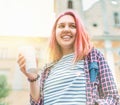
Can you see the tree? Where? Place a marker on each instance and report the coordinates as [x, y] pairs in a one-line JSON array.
[[4, 89]]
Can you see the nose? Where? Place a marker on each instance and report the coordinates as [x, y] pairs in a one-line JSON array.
[[66, 28]]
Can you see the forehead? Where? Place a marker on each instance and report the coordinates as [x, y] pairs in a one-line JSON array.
[[66, 19]]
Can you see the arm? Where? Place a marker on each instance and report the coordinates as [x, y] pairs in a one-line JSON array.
[[35, 92], [34, 86], [109, 89]]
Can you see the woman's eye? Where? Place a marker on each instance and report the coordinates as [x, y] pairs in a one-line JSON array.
[[61, 26], [73, 26]]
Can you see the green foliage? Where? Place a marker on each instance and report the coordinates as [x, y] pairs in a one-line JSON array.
[[4, 89]]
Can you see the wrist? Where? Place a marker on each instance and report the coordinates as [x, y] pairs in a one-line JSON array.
[[34, 79]]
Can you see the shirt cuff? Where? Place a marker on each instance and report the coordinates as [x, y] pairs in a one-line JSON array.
[[34, 102]]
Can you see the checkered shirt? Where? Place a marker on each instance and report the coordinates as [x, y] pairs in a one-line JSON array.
[[101, 91]]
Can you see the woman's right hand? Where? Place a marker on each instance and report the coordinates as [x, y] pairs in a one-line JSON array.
[[34, 87], [22, 64]]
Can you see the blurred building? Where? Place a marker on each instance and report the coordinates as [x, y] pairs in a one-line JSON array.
[[102, 20]]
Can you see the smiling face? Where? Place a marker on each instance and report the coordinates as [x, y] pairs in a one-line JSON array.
[[66, 33]]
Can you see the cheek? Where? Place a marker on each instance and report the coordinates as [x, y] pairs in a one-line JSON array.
[[58, 40], [57, 34], [57, 31], [74, 32]]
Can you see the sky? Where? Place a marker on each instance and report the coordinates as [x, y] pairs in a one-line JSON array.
[[28, 17]]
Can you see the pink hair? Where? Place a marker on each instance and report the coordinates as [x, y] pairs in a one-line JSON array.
[[82, 45]]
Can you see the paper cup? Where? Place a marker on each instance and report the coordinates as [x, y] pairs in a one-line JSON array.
[[30, 58]]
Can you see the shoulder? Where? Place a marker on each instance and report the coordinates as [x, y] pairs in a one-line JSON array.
[[48, 65], [96, 52], [95, 55]]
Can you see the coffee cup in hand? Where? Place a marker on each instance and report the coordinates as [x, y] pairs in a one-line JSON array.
[[29, 53]]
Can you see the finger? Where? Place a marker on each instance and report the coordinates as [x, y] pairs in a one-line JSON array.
[[22, 68], [21, 59], [21, 62]]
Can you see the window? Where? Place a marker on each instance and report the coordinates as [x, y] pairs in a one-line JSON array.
[[18, 79], [3, 53], [70, 4], [117, 19], [95, 25]]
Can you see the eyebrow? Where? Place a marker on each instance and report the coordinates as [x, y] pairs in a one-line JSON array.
[[65, 23]]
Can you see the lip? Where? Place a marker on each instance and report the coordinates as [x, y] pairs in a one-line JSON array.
[[66, 37]]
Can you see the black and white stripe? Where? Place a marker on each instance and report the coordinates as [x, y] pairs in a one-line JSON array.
[[66, 83]]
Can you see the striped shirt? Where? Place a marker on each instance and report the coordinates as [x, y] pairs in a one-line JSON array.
[[66, 83], [107, 93]]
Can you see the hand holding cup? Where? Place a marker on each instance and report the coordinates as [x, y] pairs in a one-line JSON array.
[[27, 59]]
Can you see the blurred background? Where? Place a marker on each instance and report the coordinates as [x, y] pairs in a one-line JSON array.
[[29, 22]]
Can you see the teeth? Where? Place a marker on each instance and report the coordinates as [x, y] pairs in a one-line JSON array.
[[66, 37]]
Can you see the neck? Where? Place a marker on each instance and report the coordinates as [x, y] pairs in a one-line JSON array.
[[65, 52]]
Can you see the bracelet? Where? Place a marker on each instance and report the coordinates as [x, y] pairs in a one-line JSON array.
[[33, 80]]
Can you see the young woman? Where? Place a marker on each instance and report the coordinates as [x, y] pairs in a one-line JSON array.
[[79, 73]]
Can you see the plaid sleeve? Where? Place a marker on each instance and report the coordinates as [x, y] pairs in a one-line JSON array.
[[32, 102], [40, 101], [109, 90]]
